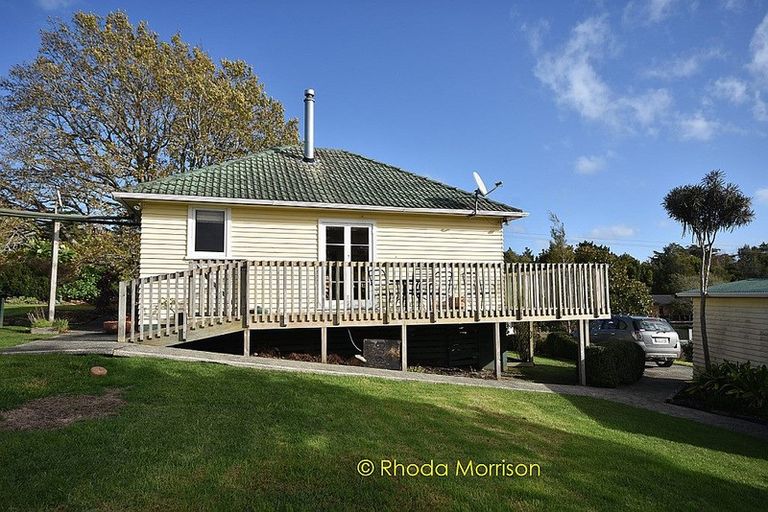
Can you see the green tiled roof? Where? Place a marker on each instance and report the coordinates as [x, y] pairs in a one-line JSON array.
[[335, 177], [745, 288]]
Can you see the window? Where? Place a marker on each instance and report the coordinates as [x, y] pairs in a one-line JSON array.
[[622, 325], [608, 325], [208, 233]]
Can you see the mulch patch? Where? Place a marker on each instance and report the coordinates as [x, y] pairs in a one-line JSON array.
[[60, 411]]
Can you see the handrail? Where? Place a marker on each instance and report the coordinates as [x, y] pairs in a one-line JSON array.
[[289, 292]]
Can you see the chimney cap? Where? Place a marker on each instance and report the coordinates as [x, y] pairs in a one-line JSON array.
[[310, 93]]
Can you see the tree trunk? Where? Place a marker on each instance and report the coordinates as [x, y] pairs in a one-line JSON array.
[[704, 339]]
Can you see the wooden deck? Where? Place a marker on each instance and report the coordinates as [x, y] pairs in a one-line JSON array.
[[219, 298]]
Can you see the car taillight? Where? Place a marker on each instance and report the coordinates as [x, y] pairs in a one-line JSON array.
[[636, 335]]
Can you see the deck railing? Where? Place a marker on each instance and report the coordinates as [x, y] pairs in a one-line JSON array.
[[327, 293]]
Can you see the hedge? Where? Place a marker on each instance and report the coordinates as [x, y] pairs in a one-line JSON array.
[[602, 367], [561, 345], [615, 362]]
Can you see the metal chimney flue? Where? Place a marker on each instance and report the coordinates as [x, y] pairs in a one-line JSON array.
[[309, 125]]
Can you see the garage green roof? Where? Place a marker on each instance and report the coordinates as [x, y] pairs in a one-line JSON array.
[[745, 288], [336, 177]]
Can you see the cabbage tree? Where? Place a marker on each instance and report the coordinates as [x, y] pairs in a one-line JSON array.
[[704, 210]]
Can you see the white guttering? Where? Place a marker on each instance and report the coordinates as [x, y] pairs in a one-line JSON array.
[[132, 196]]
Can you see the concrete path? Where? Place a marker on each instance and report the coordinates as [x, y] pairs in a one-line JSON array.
[[649, 393]]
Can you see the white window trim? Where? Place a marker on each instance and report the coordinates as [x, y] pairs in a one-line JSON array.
[[324, 223], [202, 255]]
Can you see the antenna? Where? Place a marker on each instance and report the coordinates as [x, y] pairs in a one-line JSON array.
[[480, 183], [482, 190]]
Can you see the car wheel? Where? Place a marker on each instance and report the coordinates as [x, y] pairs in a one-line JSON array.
[[665, 364]]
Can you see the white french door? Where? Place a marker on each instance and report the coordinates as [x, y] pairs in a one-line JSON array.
[[346, 242]]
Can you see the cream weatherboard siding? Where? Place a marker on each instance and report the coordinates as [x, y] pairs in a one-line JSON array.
[[268, 233], [737, 329]]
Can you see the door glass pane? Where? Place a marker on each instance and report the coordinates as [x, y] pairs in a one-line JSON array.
[[334, 252], [209, 231], [360, 253], [334, 235], [359, 236]]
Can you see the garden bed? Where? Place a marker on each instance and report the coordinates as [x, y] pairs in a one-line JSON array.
[[692, 402]]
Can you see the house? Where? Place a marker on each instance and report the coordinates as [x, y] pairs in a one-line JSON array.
[[317, 241], [671, 308], [737, 322]]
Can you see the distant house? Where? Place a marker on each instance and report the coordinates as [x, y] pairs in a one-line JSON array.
[[737, 322], [672, 308]]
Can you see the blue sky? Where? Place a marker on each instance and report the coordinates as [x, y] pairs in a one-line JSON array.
[[592, 110]]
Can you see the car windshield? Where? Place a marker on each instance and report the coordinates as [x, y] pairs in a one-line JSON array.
[[652, 324]]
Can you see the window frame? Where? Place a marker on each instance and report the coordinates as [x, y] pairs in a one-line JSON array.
[[192, 254], [347, 225]]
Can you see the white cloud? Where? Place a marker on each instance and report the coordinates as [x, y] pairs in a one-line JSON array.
[[697, 127], [684, 66], [590, 164], [759, 108], [732, 5], [731, 89], [762, 195], [615, 231], [571, 74], [535, 32], [759, 48], [53, 5], [648, 11]]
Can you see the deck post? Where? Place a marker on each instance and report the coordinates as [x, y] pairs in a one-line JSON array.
[[324, 344], [582, 353], [246, 342], [121, 312], [531, 344], [245, 309], [404, 347], [497, 349]]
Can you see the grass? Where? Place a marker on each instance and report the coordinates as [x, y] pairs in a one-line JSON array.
[[547, 371], [200, 436], [16, 335], [21, 310]]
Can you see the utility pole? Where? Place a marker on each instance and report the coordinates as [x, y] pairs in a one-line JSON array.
[[54, 261]]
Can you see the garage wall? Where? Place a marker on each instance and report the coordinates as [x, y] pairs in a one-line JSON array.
[[737, 328]]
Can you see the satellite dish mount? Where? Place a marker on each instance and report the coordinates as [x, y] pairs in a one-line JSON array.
[[482, 190]]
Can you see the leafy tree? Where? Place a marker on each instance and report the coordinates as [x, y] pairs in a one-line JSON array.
[[526, 256], [106, 104], [559, 251], [674, 269], [704, 210], [628, 293], [751, 262]]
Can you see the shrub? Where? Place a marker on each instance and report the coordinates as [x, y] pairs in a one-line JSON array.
[[23, 300], [61, 325], [601, 366], [630, 359], [561, 345], [687, 350], [614, 362], [37, 319], [85, 287], [732, 386]]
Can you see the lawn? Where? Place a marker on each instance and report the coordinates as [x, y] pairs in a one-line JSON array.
[[16, 335], [201, 436], [14, 311], [547, 370]]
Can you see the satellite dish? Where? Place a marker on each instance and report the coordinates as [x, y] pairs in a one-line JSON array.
[[480, 184]]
